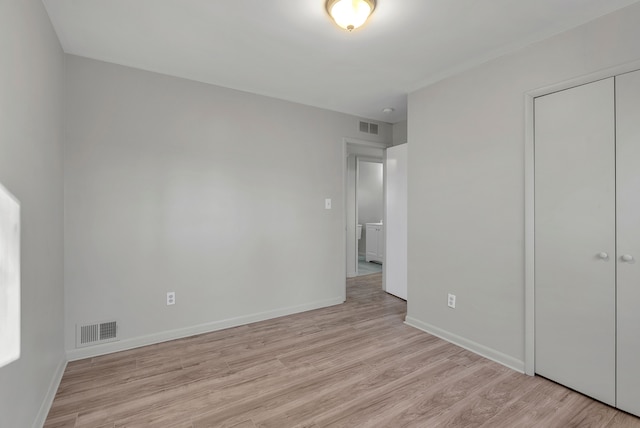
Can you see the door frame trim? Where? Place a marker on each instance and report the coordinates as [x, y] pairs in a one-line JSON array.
[[529, 192]]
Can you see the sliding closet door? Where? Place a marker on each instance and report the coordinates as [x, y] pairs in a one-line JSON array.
[[628, 201], [575, 318]]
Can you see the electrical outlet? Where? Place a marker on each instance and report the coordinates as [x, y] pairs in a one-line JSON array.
[[451, 301], [171, 298]]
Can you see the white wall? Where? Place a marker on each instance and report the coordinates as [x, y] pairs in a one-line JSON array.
[[352, 260], [216, 194], [399, 131], [466, 184], [31, 122], [370, 197]]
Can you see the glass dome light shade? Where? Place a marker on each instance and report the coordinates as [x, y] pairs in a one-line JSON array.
[[350, 14]]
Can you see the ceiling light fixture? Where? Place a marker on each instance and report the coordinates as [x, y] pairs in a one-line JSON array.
[[388, 110], [350, 14]]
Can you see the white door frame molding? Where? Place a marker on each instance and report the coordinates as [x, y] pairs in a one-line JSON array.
[[529, 202]]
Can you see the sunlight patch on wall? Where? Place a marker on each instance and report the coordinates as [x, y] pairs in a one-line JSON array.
[[9, 277]]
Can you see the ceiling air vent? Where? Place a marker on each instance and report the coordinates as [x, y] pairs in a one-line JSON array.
[[369, 128], [93, 334]]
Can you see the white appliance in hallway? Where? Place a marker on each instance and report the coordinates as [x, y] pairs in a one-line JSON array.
[[375, 242]]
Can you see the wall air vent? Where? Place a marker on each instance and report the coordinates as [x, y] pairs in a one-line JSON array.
[[369, 128], [93, 334]]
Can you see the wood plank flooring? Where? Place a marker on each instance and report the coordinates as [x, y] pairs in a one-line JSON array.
[[351, 365]]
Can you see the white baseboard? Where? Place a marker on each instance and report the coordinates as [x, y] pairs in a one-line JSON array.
[[164, 336], [467, 344], [41, 417]]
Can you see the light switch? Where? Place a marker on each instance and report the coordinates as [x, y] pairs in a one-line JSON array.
[[327, 204]]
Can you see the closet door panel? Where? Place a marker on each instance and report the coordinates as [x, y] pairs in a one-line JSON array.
[[575, 239], [628, 217]]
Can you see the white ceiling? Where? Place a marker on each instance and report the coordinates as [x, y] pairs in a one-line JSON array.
[[290, 49]]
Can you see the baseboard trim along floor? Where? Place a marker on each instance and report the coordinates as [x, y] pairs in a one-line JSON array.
[[137, 342], [467, 344]]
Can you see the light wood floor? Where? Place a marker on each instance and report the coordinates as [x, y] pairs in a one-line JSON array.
[[352, 365]]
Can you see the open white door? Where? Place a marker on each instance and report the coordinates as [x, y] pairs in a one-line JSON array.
[[395, 271]]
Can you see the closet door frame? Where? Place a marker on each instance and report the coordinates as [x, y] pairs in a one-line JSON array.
[[529, 192]]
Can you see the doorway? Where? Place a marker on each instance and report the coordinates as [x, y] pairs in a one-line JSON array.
[[355, 150], [369, 215]]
